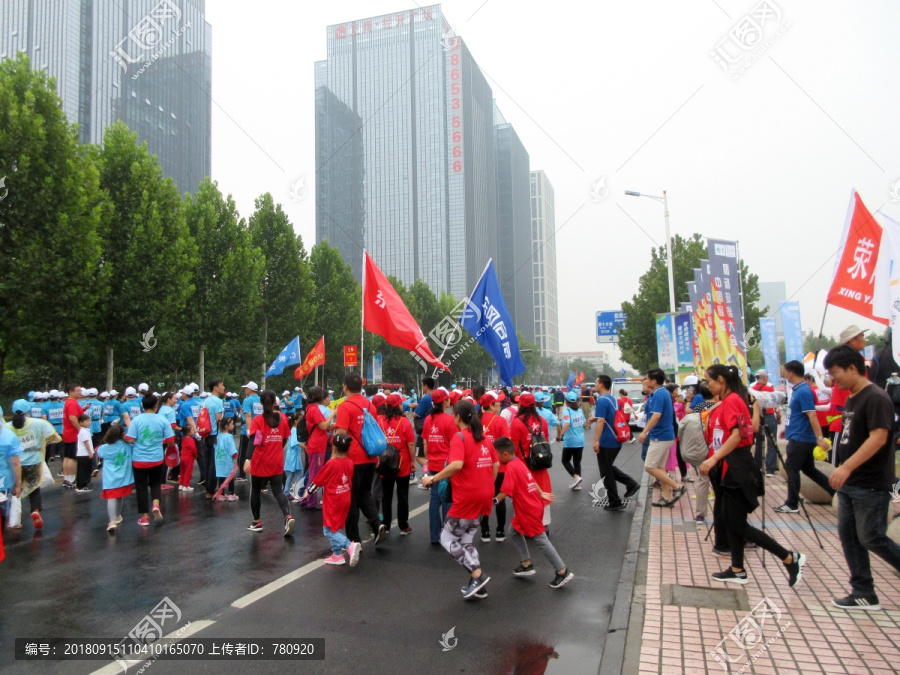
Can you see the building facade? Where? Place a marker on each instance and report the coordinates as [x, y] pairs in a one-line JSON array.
[[772, 294], [147, 63], [543, 273]]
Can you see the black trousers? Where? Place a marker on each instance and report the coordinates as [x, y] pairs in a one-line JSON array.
[[242, 455], [83, 471], [144, 478], [612, 474], [734, 513], [210, 464], [258, 484], [361, 500], [499, 510], [571, 460], [387, 486]]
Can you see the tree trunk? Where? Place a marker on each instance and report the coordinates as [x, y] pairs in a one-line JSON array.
[[265, 344], [202, 367], [109, 367]]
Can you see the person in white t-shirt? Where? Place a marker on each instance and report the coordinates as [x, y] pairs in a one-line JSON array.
[[84, 455]]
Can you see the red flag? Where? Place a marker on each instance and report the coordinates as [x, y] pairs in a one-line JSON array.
[[385, 314], [853, 285], [579, 379], [315, 358]]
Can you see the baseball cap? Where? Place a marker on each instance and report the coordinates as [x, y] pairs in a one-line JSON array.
[[251, 385], [21, 406], [54, 393], [129, 391], [527, 399], [439, 395], [187, 391], [762, 372], [692, 379], [849, 333], [143, 387], [296, 388], [455, 395], [104, 393], [572, 396], [394, 400], [194, 386], [540, 397], [488, 399], [204, 394], [113, 392], [378, 400], [285, 393]]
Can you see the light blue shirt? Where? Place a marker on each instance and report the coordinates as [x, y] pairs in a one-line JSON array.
[[292, 453], [32, 436], [168, 412], [225, 453], [660, 401], [110, 410], [149, 431], [574, 436], [254, 407], [552, 420], [10, 447], [214, 405], [54, 412], [117, 469], [37, 411], [131, 406], [96, 413]]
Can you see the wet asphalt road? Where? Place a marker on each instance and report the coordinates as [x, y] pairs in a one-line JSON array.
[[386, 615]]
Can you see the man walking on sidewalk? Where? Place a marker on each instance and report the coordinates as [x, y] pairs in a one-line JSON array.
[[607, 447], [803, 433], [864, 476]]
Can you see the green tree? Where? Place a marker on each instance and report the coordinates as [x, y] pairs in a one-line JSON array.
[[813, 343], [638, 339], [145, 243], [50, 209]]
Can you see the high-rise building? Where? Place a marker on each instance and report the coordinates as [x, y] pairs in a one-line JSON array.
[[147, 63], [772, 294], [514, 227], [543, 243], [419, 168]]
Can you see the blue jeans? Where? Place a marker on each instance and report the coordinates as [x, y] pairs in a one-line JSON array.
[[437, 514], [800, 458], [862, 527], [290, 477], [339, 541]]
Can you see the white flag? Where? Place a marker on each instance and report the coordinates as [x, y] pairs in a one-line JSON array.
[[887, 269]]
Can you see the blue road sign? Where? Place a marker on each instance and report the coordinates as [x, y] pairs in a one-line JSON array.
[[608, 325]]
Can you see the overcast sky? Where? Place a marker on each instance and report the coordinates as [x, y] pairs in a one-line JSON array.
[[627, 92]]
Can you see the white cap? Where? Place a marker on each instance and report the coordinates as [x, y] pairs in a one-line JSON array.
[[129, 391], [691, 379], [251, 385], [94, 392], [285, 393], [54, 393], [296, 388], [204, 394], [194, 386], [113, 392], [143, 387], [104, 393], [39, 396], [156, 393]]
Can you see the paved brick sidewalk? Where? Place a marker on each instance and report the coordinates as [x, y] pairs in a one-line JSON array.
[[811, 635]]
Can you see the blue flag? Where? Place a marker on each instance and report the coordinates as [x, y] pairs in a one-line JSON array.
[[289, 356], [571, 383], [487, 319]]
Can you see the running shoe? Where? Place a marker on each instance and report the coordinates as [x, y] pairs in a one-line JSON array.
[[486, 537], [68, 484], [858, 602], [412, 479], [94, 473], [770, 475], [474, 586], [700, 519], [144, 521], [255, 526], [381, 535], [335, 559], [481, 595], [721, 552], [574, 485], [353, 552], [615, 507], [500, 536], [221, 498], [232, 498], [289, 526], [784, 508], [561, 580], [795, 569], [729, 576], [111, 528], [405, 531], [240, 480], [119, 519], [632, 491], [522, 571], [201, 482], [157, 514], [687, 479], [83, 490], [37, 520], [185, 488]]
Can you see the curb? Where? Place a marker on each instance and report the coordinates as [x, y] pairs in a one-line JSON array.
[[623, 639]]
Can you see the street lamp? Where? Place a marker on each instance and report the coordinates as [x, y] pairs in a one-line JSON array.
[[664, 200]]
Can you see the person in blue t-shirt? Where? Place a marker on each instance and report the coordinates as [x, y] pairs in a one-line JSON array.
[[803, 432], [542, 399], [251, 409], [216, 408], [118, 473], [607, 446], [110, 411], [572, 431], [225, 458], [660, 431], [149, 432], [37, 407], [10, 468], [53, 411]]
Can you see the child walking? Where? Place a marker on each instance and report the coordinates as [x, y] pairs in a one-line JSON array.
[[528, 522], [293, 466], [226, 458], [336, 477], [118, 476], [188, 456], [85, 456]]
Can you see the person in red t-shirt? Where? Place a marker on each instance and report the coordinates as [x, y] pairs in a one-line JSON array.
[[525, 424], [472, 466], [437, 431], [336, 477], [317, 425], [738, 481], [495, 427], [265, 460], [528, 521], [399, 433], [350, 416], [770, 420], [836, 417], [72, 410], [624, 401], [188, 455]]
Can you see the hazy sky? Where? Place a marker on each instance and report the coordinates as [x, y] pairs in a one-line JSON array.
[[629, 92]]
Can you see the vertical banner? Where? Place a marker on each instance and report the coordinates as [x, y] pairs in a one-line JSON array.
[[793, 332], [351, 356], [769, 342], [684, 350], [377, 374], [701, 328], [725, 280], [665, 342]]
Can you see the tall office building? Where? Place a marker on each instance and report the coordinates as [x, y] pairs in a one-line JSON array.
[[147, 63], [772, 294], [514, 226], [405, 141], [543, 233]]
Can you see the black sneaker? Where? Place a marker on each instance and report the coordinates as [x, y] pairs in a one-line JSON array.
[[500, 536], [481, 595], [83, 490], [858, 602], [722, 553], [560, 580], [486, 537], [632, 491], [255, 527], [474, 586], [522, 571], [731, 577], [615, 507], [795, 569], [381, 535]]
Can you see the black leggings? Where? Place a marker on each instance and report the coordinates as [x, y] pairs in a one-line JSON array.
[[499, 509], [143, 478], [257, 483], [571, 460], [734, 512], [387, 485]]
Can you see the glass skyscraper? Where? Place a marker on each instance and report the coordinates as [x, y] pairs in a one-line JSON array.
[[404, 138], [147, 63], [543, 232]]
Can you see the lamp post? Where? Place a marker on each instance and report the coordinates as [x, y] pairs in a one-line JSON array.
[[665, 202]]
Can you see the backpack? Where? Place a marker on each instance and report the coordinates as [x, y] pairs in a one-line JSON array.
[[540, 456], [620, 423], [372, 438], [692, 438], [204, 424], [389, 463]]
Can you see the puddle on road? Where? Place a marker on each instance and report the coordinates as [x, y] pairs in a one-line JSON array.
[[535, 658]]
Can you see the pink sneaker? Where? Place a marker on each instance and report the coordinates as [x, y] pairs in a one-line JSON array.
[[353, 551], [157, 514], [222, 498], [144, 521], [232, 498], [335, 559]]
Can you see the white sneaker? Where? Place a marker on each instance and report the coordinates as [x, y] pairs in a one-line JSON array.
[[574, 486]]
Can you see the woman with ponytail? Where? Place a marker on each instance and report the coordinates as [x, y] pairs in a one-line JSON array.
[[732, 469], [437, 431], [472, 466], [525, 425], [265, 460]]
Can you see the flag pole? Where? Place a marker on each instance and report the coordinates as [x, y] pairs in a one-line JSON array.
[[821, 328], [362, 315]]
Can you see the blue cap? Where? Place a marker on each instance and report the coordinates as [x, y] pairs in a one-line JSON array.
[[31, 396], [21, 406], [571, 395], [540, 396]]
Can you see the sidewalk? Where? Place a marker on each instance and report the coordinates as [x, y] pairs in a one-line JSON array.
[[810, 636]]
